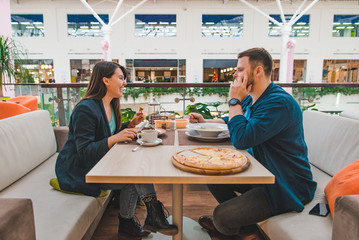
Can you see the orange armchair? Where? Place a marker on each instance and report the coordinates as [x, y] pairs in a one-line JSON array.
[[8, 109], [26, 101]]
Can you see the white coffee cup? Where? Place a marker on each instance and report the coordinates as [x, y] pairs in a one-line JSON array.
[[148, 136]]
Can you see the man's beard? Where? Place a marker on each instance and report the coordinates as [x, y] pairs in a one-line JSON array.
[[250, 80]]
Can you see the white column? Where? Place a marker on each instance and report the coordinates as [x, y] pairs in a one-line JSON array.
[[285, 31], [106, 44]]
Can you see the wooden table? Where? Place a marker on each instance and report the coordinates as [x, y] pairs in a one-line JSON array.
[[153, 165]]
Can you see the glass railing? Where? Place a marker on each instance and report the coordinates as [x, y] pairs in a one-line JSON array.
[[60, 99]]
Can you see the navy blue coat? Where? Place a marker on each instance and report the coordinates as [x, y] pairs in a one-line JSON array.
[[272, 129], [86, 144]]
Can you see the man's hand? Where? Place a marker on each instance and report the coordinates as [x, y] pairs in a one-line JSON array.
[[239, 88], [196, 118]]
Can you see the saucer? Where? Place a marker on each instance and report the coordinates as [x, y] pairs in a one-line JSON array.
[[148, 144]]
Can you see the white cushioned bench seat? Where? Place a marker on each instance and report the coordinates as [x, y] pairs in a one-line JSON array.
[[27, 163]]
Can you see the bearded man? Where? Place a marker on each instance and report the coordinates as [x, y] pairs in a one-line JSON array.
[[267, 122]]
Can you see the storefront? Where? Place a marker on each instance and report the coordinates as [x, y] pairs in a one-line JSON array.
[[340, 70], [156, 70], [299, 70], [219, 70], [35, 71], [81, 69]]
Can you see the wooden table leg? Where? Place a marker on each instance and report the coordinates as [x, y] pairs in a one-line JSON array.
[[177, 209]]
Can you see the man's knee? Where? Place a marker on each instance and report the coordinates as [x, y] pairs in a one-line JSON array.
[[220, 220]]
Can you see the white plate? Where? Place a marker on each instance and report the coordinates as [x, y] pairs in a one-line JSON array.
[[195, 134], [147, 144]]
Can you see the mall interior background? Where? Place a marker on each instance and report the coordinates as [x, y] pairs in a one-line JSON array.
[[183, 41]]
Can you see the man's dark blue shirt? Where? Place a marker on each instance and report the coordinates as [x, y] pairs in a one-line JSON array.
[[272, 128]]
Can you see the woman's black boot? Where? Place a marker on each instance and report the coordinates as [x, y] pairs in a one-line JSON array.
[[131, 228], [156, 219]]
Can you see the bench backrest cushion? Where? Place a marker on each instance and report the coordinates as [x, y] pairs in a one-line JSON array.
[[333, 141], [26, 141]]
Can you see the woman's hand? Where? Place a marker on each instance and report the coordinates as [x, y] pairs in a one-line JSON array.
[[139, 117], [196, 118], [125, 135]]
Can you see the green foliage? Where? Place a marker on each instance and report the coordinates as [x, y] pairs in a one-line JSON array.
[[25, 77], [135, 93], [309, 92], [216, 105], [10, 55], [50, 108], [127, 114], [309, 107], [200, 108]]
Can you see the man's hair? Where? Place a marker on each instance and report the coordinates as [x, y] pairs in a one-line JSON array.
[[259, 56]]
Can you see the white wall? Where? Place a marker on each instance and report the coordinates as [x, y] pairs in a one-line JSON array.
[[188, 44]]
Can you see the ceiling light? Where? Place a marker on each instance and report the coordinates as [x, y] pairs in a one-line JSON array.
[[209, 23]]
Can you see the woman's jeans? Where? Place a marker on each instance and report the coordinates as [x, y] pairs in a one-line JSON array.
[[129, 193], [238, 214]]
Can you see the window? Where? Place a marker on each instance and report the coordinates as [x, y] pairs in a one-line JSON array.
[[299, 70], [340, 70], [27, 25], [81, 69], [182, 70], [222, 25], [219, 70], [346, 26], [147, 25], [85, 25], [35, 71], [299, 29], [157, 70]]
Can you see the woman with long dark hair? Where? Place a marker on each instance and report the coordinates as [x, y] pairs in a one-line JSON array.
[[95, 126]]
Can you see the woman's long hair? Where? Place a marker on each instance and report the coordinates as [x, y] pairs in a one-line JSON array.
[[97, 89]]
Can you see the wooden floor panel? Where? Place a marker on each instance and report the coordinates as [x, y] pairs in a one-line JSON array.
[[197, 201]]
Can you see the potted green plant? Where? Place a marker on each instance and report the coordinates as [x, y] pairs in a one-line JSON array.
[[10, 54]]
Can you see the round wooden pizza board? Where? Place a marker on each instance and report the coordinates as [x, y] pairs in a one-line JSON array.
[[210, 171]]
